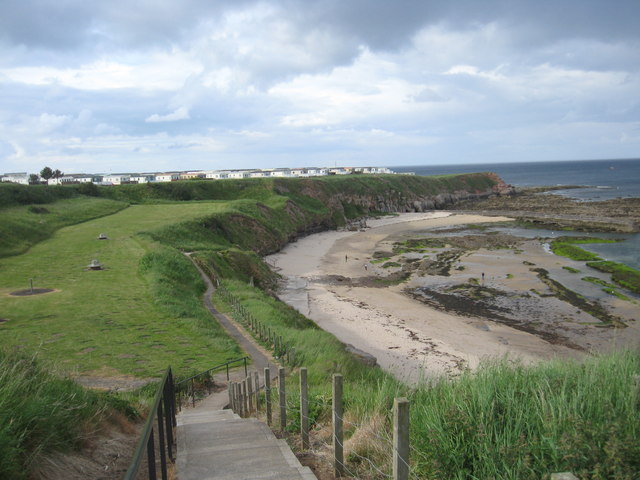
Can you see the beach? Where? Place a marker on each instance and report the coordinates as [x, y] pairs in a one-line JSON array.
[[335, 279]]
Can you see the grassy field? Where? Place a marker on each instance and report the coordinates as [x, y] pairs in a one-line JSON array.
[[24, 226], [121, 320]]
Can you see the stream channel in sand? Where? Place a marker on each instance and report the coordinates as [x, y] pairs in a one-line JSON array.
[[324, 276]]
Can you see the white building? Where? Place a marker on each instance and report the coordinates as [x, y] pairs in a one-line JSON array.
[[280, 172], [19, 177], [238, 174], [316, 172], [167, 177], [116, 179], [143, 178], [258, 174], [217, 175]]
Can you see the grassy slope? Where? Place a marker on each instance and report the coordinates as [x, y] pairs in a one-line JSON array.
[[143, 310], [41, 412], [128, 318], [24, 226]]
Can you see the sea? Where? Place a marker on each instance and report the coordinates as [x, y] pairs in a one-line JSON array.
[[601, 180]]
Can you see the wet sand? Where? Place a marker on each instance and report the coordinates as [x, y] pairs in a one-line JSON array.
[[332, 280]]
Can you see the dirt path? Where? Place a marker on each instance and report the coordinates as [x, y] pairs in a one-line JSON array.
[[260, 357]]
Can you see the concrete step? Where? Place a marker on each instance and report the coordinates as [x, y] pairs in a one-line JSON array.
[[217, 444]]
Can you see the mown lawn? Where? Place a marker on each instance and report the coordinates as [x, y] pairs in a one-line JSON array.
[[109, 322]]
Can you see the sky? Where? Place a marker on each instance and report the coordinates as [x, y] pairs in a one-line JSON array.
[[144, 86]]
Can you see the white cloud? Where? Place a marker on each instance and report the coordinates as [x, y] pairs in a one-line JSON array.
[[265, 83], [158, 71], [181, 113]]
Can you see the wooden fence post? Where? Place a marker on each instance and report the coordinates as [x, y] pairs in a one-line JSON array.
[[250, 394], [230, 389], [267, 393], [234, 396], [256, 383], [304, 410], [245, 397], [400, 439], [338, 452], [283, 399]]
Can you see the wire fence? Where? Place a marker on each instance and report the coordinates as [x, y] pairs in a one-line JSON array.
[[282, 350]]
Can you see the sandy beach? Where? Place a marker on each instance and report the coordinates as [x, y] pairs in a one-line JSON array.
[[337, 280]]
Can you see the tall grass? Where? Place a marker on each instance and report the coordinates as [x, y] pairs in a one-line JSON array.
[[41, 413], [507, 421]]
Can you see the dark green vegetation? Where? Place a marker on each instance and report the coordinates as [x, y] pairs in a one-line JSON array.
[[621, 274], [608, 287], [41, 413], [565, 247], [571, 269]]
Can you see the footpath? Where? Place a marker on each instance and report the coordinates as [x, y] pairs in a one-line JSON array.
[[215, 443]]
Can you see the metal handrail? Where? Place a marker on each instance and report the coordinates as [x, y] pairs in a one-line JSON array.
[[225, 364], [166, 416], [189, 382]]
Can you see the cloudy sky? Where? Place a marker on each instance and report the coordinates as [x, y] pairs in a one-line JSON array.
[[142, 85]]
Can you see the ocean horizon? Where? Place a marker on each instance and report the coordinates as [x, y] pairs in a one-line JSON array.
[[602, 179]]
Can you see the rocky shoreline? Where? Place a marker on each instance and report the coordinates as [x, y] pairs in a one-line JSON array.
[[539, 206]]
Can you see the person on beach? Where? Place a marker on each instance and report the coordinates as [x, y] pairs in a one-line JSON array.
[[346, 258]]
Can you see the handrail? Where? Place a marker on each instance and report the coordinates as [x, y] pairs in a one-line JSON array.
[[166, 416], [229, 362], [189, 384]]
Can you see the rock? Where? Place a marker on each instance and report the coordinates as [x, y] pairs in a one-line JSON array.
[[361, 356]]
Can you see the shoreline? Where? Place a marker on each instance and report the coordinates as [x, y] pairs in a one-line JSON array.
[[331, 279]]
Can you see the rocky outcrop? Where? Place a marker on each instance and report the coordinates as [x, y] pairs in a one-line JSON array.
[[362, 356], [555, 211]]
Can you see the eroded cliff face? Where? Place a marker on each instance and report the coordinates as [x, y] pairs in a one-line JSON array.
[[314, 205], [416, 195]]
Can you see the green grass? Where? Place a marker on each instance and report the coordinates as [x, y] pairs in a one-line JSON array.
[[141, 313], [621, 274], [24, 226], [515, 422], [565, 247], [571, 269], [41, 413]]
